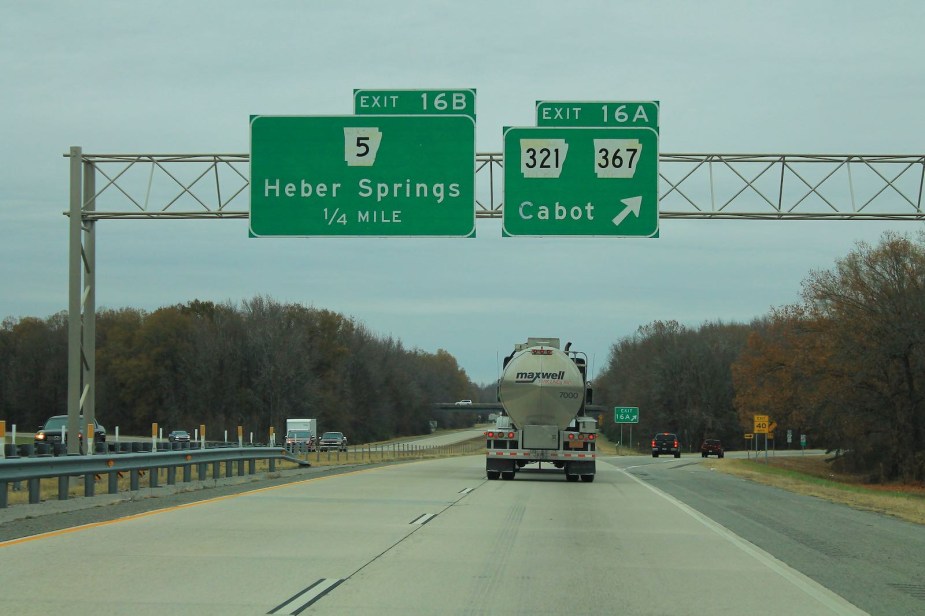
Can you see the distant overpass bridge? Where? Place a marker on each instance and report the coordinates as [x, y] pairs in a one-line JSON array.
[[494, 407]]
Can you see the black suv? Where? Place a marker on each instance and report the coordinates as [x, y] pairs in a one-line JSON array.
[[51, 432], [666, 442]]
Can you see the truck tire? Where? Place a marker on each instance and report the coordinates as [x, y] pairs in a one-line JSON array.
[[587, 478], [493, 474], [507, 475], [571, 477]]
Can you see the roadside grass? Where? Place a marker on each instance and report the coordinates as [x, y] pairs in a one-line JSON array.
[[813, 475]]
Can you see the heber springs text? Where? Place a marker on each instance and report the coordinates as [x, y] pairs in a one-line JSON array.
[[366, 188]]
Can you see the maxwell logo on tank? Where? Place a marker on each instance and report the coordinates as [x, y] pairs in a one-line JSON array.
[[529, 377]]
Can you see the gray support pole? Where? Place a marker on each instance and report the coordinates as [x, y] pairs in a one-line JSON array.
[[89, 301], [74, 317]]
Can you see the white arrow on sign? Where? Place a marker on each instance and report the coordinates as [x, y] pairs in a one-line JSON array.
[[633, 204]]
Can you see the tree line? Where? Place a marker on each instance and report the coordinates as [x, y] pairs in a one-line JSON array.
[[223, 366], [845, 367]]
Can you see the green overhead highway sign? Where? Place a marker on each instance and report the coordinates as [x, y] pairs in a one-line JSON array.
[[631, 114], [578, 181], [414, 102], [626, 414], [385, 175]]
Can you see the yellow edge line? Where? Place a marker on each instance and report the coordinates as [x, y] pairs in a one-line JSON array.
[[74, 529]]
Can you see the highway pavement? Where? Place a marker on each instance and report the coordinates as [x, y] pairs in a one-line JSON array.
[[428, 537]]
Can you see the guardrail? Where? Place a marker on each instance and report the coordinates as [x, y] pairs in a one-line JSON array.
[[385, 452], [31, 470]]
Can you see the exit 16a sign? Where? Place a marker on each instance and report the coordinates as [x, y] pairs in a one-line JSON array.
[[580, 181], [626, 414], [631, 114]]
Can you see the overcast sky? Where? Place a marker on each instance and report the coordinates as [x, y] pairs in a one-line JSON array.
[[841, 77]]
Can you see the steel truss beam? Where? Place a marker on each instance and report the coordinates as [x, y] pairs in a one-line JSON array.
[[692, 186], [698, 186]]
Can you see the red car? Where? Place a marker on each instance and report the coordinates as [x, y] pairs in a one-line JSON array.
[[711, 446]]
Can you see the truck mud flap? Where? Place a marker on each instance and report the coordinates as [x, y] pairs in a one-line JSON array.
[[499, 465], [580, 468]]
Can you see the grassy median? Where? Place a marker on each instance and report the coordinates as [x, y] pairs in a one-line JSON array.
[[814, 475]]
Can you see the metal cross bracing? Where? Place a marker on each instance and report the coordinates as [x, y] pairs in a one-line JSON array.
[[698, 186], [692, 186]]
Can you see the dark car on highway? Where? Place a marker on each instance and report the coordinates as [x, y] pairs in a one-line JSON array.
[[51, 432], [712, 447], [332, 440], [666, 442], [178, 436]]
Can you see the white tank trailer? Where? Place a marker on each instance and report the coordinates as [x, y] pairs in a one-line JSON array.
[[543, 390]]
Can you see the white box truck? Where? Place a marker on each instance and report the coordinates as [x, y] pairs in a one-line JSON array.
[[301, 434]]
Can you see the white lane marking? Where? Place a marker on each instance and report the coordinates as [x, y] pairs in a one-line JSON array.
[[836, 603], [304, 598], [424, 519]]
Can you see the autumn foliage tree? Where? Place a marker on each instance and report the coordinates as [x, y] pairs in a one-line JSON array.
[[849, 363]]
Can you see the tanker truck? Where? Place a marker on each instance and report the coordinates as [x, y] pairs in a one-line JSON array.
[[543, 390]]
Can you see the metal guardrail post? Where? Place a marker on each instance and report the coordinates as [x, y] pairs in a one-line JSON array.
[[4, 488], [187, 473], [63, 484], [171, 475], [113, 482], [89, 484], [252, 466]]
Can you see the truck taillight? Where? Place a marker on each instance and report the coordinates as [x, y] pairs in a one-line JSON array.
[[510, 435], [653, 442], [676, 443]]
